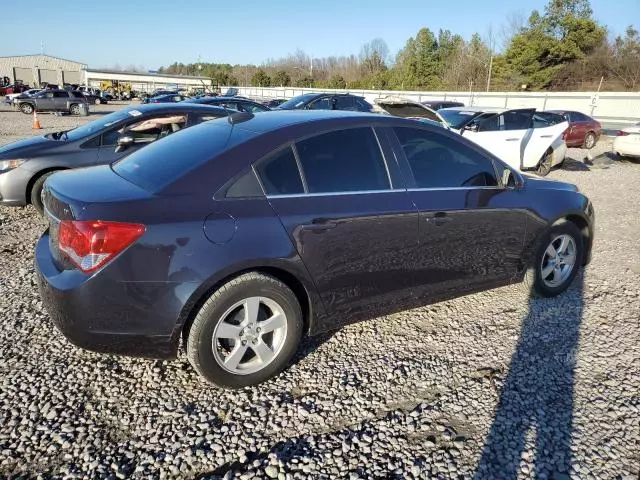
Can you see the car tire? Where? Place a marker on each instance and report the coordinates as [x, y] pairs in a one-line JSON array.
[[546, 163], [97, 101], [74, 109], [36, 192], [589, 141], [542, 279], [221, 339], [26, 108]]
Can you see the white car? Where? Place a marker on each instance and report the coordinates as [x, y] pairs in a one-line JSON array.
[[627, 142], [523, 138]]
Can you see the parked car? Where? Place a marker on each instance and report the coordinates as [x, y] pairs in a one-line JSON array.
[[524, 138], [439, 104], [242, 235], [165, 98], [7, 88], [24, 165], [627, 142], [53, 101], [327, 101], [94, 98], [583, 131], [234, 103], [274, 102]]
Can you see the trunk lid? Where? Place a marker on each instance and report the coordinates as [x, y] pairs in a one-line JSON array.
[[405, 108], [67, 195]]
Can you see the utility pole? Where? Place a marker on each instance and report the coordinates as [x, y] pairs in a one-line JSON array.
[[489, 75], [311, 68]]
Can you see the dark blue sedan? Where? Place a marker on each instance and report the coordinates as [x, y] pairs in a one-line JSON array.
[[240, 236]]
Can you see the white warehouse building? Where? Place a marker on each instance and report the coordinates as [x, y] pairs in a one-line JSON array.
[[37, 69]]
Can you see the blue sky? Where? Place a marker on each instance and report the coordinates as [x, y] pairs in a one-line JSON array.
[[159, 33]]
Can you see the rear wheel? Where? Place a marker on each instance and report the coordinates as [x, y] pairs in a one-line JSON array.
[[36, 192], [74, 109], [557, 261], [544, 167], [589, 141], [26, 108], [246, 332], [97, 101]]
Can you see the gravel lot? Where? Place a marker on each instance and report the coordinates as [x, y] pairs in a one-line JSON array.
[[493, 385]]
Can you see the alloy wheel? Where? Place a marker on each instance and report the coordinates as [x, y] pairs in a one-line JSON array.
[[558, 260], [590, 141], [249, 335]]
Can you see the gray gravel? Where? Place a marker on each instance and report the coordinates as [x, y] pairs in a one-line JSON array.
[[492, 385]]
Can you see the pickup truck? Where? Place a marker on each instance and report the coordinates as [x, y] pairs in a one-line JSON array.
[[53, 101]]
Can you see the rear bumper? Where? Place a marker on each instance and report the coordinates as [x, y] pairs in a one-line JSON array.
[[100, 314]]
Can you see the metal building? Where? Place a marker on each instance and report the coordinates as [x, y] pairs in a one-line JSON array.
[[145, 82], [36, 69]]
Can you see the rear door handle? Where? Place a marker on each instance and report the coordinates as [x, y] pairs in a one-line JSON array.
[[512, 139], [546, 136], [319, 227]]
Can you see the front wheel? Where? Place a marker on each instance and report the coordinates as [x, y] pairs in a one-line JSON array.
[[26, 108], [74, 109], [557, 260], [246, 332], [36, 193], [97, 101]]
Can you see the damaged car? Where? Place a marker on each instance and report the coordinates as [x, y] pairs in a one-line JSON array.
[[524, 138]]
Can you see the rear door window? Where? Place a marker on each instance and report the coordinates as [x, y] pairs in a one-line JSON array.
[[345, 102], [321, 104], [438, 161], [147, 130], [343, 161]]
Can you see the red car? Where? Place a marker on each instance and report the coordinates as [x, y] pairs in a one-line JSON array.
[[7, 88], [583, 131]]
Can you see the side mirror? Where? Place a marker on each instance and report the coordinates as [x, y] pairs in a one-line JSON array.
[[124, 142], [472, 127]]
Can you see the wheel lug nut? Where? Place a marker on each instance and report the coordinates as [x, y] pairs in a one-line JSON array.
[[244, 342], [254, 341], [258, 329]]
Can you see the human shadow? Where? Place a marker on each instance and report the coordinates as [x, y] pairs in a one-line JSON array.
[[536, 398]]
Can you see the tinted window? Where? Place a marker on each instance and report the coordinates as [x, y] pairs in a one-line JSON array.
[[147, 130], [512, 120], [363, 105], [61, 94], [546, 119], [97, 125], [246, 186], [346, 102], [438, 161], [77, 94], [343, 161], [322, 104], [297, 102], [579, 117], [280, 174]]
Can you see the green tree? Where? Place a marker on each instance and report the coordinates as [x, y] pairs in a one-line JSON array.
[[260, 79], [281, 79], [566, 32], [305, 82], [337, 81]]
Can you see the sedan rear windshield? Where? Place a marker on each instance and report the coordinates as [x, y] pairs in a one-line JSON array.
[[297, 102], [161, 163], [458, 118]]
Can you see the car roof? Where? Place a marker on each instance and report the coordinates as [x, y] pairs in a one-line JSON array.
[[478, 109]]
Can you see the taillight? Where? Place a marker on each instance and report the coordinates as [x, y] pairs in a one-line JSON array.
[[91, 244], [622, 133]]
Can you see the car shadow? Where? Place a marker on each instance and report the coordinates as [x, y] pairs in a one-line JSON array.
[[310, 344], [532, 427], [573, 165]]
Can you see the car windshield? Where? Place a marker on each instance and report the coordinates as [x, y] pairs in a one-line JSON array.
[[100, 124], [297, 102], [457, 118]]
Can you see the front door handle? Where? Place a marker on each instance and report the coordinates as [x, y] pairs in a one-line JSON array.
[[512, 139], [546, 136], [319, 227]]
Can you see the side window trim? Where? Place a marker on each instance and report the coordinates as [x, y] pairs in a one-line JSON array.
[[296, 155]]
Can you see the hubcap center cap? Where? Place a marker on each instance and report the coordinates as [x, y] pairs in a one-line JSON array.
[[250, 333]]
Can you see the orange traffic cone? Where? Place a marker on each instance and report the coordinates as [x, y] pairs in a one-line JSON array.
[[36, 122]]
